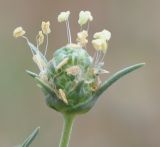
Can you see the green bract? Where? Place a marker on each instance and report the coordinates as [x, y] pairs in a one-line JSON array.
[[77, 88]]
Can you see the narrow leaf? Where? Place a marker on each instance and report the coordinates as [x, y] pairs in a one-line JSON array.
[[32, 74], [35, 50], [117, 76], [44, 86], [85, 106], [30, 139], [32, 47]]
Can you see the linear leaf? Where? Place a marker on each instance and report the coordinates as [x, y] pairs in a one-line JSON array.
[[35, 50], [91, 101], [32, 74], [117, 76], [30, 139], [44, 86]]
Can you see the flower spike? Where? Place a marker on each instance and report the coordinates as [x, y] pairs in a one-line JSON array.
[[71, 80]]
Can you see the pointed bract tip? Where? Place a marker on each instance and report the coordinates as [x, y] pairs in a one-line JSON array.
[[33, 75]]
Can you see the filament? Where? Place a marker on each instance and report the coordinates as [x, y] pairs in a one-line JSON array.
[[69, 32], [46, 45]]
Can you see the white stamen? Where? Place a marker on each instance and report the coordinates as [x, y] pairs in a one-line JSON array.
[[46, 48], [97, 57], [69, 32]]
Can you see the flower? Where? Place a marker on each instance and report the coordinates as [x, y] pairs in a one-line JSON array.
[[82, 38], [71, 79], [40, 38], [100, 45], [46, 27], [18, 32], [105, 34], [63, 16], [68, 78], [84, 17], [100, 42], [73, 70]]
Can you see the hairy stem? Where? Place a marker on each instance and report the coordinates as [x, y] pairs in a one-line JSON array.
[[67, 129]]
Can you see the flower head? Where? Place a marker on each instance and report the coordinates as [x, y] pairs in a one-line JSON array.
[[63, 16], [18, 32], [84, 17], [46, 27], [72, 76]]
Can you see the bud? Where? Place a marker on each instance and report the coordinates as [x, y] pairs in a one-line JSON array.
[[46, 27], [18, 32], [84, 17], [63, 16]]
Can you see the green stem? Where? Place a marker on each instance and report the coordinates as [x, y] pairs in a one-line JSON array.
[[67, 129]]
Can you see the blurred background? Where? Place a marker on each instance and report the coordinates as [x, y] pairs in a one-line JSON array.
[[127, 115]]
